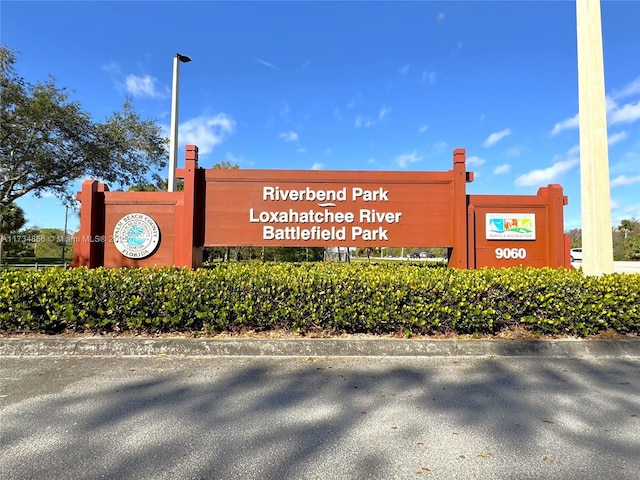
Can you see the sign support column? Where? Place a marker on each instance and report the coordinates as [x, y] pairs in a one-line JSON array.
[[597, 242]]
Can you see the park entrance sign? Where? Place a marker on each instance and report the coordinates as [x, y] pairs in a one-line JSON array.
[[307, 208]]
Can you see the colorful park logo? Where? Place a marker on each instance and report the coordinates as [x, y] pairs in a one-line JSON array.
[[511, 226], [136, 235]]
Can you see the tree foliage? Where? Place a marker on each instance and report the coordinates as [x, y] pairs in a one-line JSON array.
[[12, 219], [47, 141], [225, 165], [162, 184], [626, 239], [575, 235], [631, 245]]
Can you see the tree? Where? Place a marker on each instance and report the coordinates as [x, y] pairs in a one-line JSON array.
[[224, 165], [48, 141], [628, 226], [632, 247], [618, 245], [631, 244], [575, 235], [12, 219], [160, 185]]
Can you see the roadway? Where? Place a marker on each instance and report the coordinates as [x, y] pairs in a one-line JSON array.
[[504, 417]]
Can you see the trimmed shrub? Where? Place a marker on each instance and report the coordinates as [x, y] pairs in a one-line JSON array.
[[318, 297]]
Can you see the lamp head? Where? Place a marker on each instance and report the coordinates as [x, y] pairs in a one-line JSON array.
[[183, 58]]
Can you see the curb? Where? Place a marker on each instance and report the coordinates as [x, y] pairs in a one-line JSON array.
[[348, 347]]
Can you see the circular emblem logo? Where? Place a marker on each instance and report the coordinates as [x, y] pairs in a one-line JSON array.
[[136, 235]]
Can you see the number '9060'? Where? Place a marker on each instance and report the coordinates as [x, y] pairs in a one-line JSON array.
[[511, 253]]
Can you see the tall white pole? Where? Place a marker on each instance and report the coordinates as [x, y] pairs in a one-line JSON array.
[[597, 242], [173, 135]]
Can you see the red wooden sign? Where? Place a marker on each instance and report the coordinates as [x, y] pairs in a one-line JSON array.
[[319, 209]]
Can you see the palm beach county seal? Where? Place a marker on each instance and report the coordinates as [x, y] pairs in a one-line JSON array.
[[136, 235]]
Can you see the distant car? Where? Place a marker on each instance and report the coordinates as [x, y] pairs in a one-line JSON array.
[[414, 255], [576, 254], [423, 254]]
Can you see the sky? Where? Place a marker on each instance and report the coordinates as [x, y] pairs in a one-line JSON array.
[[366, 85]]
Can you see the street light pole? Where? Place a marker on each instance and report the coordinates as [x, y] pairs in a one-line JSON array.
[[64, 236], [173, 135]]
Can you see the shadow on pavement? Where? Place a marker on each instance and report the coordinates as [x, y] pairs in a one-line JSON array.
[[295, 418]]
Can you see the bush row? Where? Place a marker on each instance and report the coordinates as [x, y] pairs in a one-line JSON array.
[[305, 298]]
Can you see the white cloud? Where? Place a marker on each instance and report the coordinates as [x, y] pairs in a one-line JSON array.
[[407, 158], [265, 63], [317, 166], [301, 150], [502, 169], [144, 86], [423, 128], [496, 137], [544, 176], [363, 122], [567, 124], [439, 147], [623, 180], [367, 122], [440, 17], [628, 113], [573, 151], [628, 90], [404, 69], [289, 136], [206, 132], [634, 210], [475, 161], [47, 194], [616, 114], [136, 85], [617, 137], [352, 103], [112, 67], [428, 77], [514, 152]]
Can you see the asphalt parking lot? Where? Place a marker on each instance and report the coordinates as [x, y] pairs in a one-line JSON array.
[[555, 412]]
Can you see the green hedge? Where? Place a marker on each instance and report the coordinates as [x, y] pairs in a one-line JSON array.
[[304, 298]]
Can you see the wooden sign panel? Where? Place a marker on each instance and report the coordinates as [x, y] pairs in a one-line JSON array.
[[337, 208], [298, 208], [508, 231]]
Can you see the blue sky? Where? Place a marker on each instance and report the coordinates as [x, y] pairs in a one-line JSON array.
[[349, 85]]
